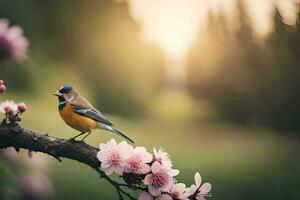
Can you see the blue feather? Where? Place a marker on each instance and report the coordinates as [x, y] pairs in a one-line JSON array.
[[65, 88]]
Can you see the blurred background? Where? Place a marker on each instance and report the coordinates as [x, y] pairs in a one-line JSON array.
[[214, 82]]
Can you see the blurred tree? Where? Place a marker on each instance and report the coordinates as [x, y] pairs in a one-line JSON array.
[[294, 41], [227, 76], [282, 109], [248, 80]]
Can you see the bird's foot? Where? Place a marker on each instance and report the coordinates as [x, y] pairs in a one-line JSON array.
[[82, 141], [72, 140]]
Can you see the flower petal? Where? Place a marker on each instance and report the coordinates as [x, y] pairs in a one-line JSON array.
[[146, 157], [144, 169], [119, 169], [205, 188], [112, 143], [198, 179], [174, 172], [105, 165], [154, 151], [108, 171], [101, 156], [124, 146], [140, 150], [102, 146], [191, 190], [155, 167], [147, 179], [179, 187], [154, 190]]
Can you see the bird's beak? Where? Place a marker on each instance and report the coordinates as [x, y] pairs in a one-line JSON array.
[[57, 93]]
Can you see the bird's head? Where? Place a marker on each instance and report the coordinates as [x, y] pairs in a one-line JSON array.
[[65, 93]]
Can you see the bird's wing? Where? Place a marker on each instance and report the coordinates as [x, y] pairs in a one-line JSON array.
[[91, 113], [81, 101]]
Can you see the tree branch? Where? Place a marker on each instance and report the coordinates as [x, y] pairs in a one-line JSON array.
[[12, 135]]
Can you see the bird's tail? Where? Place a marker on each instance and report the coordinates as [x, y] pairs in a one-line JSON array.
[[118, 132]]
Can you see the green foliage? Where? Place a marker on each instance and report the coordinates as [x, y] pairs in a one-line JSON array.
[[6, 182], [3, 180]]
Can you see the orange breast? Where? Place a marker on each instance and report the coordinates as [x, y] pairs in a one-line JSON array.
[[76, 121]]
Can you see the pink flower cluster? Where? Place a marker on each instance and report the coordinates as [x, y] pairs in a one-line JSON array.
[[137, 166], [11, 110], [122, 158], [13, 44]]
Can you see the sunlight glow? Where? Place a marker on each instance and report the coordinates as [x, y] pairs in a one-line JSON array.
[[175, 24], [173, 27]]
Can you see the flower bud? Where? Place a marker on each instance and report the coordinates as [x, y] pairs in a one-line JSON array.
[[1, 82], [13, 44], [22, 107], [8, 110], [2, 88]]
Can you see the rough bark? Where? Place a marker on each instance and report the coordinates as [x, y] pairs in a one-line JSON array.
[[12, 135]]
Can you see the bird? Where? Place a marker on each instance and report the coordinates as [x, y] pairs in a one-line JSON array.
[[78, 113]]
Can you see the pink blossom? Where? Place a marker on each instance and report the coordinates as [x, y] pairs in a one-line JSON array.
[[160, 179], [8, 110], [163, 158], [137, 161], [12, 42], [196, 190], [8, 107], [177, 191], [1, 82], [22, 107], [145, 196], [113, 156]]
